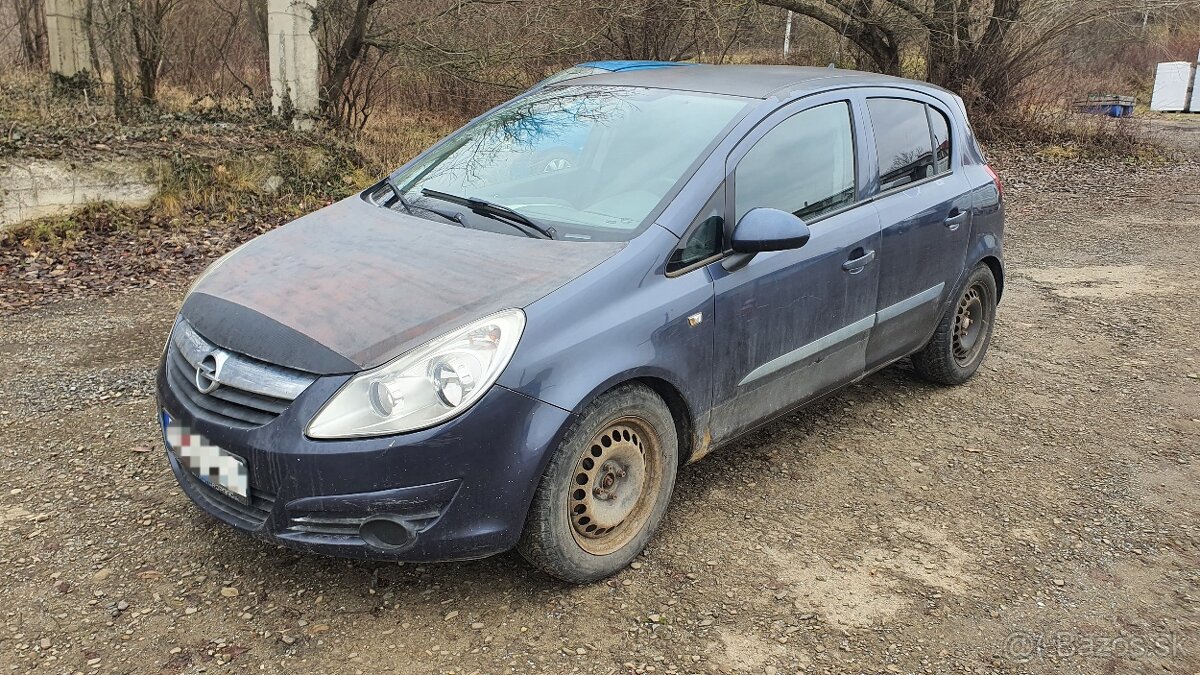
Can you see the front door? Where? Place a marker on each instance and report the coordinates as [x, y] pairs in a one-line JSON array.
[[792, 325]]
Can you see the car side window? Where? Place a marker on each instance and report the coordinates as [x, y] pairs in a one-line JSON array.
[[706, 239], [940, 127], [805, 165], [902, 141]]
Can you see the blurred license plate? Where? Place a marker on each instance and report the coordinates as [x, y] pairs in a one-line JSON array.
[[223, 471]]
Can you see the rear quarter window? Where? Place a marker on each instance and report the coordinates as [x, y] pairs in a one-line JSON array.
[[939, 125]]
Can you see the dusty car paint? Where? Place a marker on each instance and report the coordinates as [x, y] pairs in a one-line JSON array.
[[349, 279], [727, 349]]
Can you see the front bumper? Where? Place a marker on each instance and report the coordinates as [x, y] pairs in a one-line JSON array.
[[462, 488]]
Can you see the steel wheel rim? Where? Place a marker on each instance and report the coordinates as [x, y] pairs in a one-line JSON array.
[[612, 492], [970, 325]]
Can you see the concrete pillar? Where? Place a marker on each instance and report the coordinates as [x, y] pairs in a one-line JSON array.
[[295, 80], [66, 35]]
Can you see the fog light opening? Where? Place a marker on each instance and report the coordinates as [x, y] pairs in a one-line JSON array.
[[387, 532]]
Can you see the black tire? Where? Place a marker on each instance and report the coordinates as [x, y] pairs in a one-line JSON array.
[[593, 477], [963, 334]]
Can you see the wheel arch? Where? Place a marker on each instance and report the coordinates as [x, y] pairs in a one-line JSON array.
[[997, 268], [681, 411]]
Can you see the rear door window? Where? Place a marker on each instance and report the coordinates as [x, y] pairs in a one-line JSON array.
[[902, 142]]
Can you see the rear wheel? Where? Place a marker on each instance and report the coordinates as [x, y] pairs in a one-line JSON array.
[[963, 334], [606, 488]]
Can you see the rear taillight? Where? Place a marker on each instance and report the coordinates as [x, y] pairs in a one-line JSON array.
[[995, 179]]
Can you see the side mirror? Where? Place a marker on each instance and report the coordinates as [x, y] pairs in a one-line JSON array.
[[764, 229]]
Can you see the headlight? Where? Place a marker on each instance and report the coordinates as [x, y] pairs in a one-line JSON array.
[[426, 386]]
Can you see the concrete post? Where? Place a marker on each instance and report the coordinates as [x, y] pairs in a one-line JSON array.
[[66, 36], [292, 50]]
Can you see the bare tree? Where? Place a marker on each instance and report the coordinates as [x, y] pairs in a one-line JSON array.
[[31, 28], [874, 26], [148, 28], [342, 56], [982, 49], [361, 40], [108, 29], [458, 56], [224, 51], [669, 30], [473, 52], [257, 9]]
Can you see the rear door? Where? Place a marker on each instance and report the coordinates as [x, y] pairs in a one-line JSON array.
[[792, 325], [922, 195]]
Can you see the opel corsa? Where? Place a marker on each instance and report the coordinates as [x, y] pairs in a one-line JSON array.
[[517, 338]]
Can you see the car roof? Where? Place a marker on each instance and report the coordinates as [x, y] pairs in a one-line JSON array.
[[747, 81], [619, 65]]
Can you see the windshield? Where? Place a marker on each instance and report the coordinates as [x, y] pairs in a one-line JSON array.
[[590, 162]]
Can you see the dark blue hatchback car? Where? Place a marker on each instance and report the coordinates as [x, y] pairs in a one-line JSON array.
[[481, 353]]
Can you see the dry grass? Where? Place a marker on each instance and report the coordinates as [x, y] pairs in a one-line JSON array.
[[394, 137], [216, 163], [27, 99], [1065, 134]]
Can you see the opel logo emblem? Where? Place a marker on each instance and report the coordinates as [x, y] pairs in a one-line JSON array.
[[206, 374]]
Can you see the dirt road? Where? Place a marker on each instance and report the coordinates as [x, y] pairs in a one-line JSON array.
[[1043, 518]]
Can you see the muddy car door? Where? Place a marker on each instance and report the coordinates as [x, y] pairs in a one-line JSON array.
[[793, 324], [922, 197]]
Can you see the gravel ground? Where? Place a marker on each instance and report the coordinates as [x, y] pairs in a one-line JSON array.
[[1042, 518]]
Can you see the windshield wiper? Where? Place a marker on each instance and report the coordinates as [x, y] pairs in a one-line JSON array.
[[496, 211], [391, 183], [409, 206]]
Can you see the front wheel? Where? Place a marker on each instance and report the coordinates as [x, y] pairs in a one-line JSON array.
[[606, 488], [963, 333]]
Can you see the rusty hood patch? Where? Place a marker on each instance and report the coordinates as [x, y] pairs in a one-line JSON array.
[[354, 285]]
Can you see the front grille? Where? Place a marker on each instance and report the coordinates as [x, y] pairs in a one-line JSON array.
[[251, 516], [247, 393]]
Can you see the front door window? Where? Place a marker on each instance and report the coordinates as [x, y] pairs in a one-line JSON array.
[[805, 165]]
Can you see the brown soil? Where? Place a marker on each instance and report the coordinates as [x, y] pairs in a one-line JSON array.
[[1044, 517]]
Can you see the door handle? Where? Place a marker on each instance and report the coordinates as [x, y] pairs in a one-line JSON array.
[[955, 219], [856, 265]]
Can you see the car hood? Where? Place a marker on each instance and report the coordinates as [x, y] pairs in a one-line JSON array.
[[352, 286]]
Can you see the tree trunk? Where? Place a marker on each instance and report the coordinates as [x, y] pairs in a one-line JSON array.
[[346, 56], [147, 21], [258, 14], [943, 59], [89, 21], [989, 72], [31, 30], [139, 29], [859, 21], [148, 76]]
